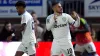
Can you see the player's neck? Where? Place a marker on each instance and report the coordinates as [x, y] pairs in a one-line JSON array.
[[58, 14]]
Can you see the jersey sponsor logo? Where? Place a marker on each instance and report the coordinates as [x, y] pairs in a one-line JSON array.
[[60, 25], [94, 6]]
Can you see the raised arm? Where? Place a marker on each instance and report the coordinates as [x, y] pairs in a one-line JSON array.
[[77, 22], [50, 21], [74, 19]]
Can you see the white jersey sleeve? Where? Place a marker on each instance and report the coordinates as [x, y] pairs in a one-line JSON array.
[[24, 19], [72, 21], [77, 22], [50, 22]]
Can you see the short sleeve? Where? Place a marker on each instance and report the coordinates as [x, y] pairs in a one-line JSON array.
[[70, 19], [24, 19]]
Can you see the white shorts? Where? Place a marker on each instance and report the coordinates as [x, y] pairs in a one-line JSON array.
[[28, 48], [89, 47], [65, 48]]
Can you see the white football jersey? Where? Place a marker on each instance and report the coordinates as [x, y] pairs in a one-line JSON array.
[[60, 28], [28, 35]]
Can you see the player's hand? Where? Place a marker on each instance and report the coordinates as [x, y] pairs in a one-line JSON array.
[[77, 16], [36, 45]]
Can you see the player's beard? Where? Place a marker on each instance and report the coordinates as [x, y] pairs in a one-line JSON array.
[[19, 14]]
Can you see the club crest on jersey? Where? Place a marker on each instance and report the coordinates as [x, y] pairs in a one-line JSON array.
[[64, 19]]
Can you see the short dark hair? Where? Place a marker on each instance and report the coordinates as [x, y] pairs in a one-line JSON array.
[[20, 3], [33, 12], [6, 22], [54, 3]]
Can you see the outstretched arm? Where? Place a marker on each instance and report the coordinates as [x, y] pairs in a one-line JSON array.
[[74, 19]]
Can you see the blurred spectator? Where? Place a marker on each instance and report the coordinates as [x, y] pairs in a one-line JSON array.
[[7, 32], [38, 29], [48, 36]]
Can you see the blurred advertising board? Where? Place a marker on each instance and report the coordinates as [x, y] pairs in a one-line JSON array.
[[7, 8], [92, 8]]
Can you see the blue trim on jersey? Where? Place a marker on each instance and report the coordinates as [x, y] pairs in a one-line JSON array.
[[72, 23]]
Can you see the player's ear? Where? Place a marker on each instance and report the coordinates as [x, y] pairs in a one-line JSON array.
[[52, 8]]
